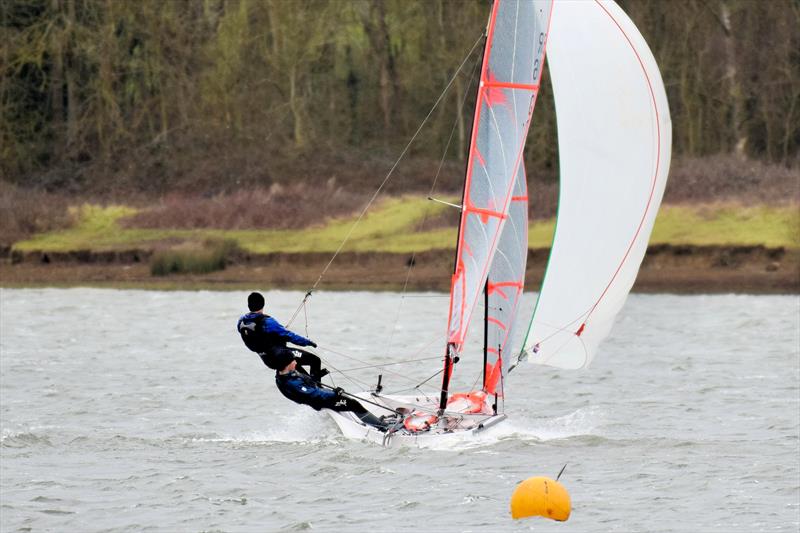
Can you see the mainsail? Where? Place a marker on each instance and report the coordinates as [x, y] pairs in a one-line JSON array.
[[504, 287], [509, 83], [614, 136]]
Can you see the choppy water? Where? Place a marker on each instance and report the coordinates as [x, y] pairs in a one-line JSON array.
[[137, 411]]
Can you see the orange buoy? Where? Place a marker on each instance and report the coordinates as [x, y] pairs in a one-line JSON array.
[[540, 496]]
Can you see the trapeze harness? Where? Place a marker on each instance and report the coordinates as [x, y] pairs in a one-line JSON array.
[[271, 347]]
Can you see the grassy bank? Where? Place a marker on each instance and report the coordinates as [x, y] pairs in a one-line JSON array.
[[394, 226]]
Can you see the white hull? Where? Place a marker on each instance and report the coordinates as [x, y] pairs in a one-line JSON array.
[[470, 425]]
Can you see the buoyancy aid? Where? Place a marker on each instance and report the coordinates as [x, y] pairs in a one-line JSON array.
[[254, 336]]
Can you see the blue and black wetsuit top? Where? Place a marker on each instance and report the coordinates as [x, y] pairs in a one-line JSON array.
[[264, 335]]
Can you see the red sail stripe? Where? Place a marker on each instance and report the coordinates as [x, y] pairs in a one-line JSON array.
[[496, 323], [502, 294], [457, 278], [485, 212], [492, 83], [493, 92], [517, 284], [481, 160]]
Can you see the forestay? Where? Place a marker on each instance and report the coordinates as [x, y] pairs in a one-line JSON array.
[[614, 137], [510, 76]]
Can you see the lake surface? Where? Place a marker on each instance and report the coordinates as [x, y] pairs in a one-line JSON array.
[[142, 411]]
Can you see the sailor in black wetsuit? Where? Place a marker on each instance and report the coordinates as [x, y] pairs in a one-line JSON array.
[[300, 388], [264, 335]]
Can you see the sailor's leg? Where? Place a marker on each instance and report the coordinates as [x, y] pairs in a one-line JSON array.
[[371, 420], [313, 363], [301, 388], [349, 404], [291, 388], [277, 357]]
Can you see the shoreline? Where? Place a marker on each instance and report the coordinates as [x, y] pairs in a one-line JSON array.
[[665, 269]]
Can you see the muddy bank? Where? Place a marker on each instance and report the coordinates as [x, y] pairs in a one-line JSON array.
[[666, 268]]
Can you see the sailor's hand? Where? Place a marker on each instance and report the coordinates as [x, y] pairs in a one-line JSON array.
[[312, 344], [338, 391]]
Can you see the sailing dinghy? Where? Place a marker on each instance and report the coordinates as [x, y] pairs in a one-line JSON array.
[[614, 147]]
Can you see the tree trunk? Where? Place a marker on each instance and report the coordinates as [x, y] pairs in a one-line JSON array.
[[71, 81], [378, 33], [297, 112], [790, 126], [57, 85], [734, 87]]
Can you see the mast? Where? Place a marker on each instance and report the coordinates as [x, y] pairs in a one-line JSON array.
[[485, 330], [449, 360]]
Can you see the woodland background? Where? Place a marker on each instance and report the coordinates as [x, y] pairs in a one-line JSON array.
[[309, 102]]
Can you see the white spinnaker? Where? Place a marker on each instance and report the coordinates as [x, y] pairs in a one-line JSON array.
[[615, 137]]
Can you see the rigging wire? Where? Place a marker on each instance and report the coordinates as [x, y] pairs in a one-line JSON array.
[[423, 382], [365, 385], [477, 378], [427, 296], [385, 179], [421, 226], [569, 327], [303, 303], [383, 365], [354, 381], [397, 374]]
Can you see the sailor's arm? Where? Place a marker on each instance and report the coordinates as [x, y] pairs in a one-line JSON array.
[[272, 326]]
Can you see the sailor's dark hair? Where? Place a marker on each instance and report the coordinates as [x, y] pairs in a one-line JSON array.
[[255, 301]]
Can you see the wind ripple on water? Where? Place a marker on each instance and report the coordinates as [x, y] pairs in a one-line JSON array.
[[690, 410]]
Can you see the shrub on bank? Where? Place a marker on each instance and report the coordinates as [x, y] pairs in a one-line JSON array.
[[25, 212], [728, 178], [276, 207], [193, 258]]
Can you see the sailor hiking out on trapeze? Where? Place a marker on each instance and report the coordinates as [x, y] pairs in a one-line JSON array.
[[264, 335]]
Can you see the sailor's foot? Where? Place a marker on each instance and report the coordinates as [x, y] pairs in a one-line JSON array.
[[322, 373]]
